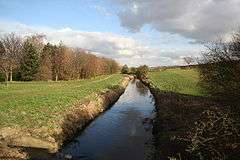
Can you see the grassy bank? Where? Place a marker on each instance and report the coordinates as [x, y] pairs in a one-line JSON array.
[[177, 109], [185, 125], [184, 81], [35, 104]]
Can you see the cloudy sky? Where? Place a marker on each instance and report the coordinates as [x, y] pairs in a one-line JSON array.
[[134, 32]]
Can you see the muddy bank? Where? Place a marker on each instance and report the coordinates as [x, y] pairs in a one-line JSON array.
[[16, 143]]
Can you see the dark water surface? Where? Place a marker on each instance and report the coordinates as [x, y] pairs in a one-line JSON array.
[[124, 132]]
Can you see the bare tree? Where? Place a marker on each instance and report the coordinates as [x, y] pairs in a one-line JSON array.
[[37, 41], [79, 62], [68, 69], [11, 57], [188, 60], [57, 57], [3, 62], [56, 62], [45, 69]]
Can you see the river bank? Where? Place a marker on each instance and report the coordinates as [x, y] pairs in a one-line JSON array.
[[188, 124], [122, 132], [73, 119], [176, 117]]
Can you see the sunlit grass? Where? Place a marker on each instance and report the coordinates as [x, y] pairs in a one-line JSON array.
[[34, 104], [184, 81]]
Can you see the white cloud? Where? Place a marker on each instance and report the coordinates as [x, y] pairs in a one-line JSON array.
[[126, 50], [196, 19], [107, 43], [102, 10]]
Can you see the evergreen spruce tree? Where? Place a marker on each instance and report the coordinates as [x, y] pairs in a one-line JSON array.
[[30, 63]]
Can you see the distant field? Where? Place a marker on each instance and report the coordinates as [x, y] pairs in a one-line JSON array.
[[178, 80], [33, 104]]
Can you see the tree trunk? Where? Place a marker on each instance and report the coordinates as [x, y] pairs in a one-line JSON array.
[[56, 77], [10, 74], [6, 78]]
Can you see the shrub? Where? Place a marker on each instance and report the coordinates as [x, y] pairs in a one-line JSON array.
[[125, 69], [220, 69], [215, 136], [142, 72]]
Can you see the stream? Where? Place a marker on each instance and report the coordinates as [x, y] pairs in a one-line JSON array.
[[122, 132]]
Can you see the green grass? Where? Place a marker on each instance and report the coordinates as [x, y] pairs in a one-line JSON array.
[[184, 81], [34, 104]]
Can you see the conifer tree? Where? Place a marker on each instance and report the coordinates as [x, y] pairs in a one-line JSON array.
[[30, 63]]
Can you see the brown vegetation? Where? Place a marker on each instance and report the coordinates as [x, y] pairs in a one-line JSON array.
[[193, 127], [176, 115], [142, 72], [220, 70], [10, 55], [29, 58], [215, 136]]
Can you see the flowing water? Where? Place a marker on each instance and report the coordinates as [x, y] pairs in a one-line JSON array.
[[124, 132]]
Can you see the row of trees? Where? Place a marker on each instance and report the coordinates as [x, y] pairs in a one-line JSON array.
[[28, 59], [141, 72]]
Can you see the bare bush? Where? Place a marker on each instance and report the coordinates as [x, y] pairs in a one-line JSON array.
[[142, 72], [215, 136], [220, 69], [188, 60]]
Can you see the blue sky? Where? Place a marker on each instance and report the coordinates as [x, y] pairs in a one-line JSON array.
[[128, 31], [77, 14]]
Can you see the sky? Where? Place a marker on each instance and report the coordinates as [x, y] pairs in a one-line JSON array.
[[133, 32]]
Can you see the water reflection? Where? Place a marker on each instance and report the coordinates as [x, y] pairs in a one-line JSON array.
[[141, 88], [123, 132]]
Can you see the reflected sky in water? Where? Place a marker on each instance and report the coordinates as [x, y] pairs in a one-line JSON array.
[[120, 132]]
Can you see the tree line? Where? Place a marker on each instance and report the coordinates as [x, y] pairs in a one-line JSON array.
[[140, 72], [29, 58]]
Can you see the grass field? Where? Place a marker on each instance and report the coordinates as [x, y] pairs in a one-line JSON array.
[[184, 81], [33, 104]]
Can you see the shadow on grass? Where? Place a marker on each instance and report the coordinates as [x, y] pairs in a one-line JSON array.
[[176, 115]]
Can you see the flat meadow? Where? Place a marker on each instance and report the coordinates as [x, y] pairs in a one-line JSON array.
[[34, 104], [183, 81]]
